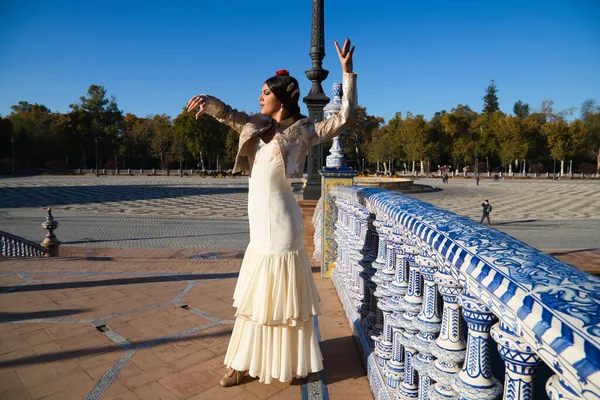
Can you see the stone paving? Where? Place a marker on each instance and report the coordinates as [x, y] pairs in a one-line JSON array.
[[119, 325], [114, 322], [173, 212], [545, 214]]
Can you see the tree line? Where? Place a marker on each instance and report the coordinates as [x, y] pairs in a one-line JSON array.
[[95, 133], [490, 140]]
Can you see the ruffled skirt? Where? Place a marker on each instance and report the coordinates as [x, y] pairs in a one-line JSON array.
[[276, 300]]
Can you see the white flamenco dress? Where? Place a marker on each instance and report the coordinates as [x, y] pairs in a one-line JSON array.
[[275, 296]]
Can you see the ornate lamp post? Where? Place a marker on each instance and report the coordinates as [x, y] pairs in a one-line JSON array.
[[316, 98]]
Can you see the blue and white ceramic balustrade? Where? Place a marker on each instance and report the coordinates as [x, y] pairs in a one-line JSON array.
[[449, 271], [428, 322]]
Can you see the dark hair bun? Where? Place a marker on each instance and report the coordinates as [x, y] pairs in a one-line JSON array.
[[287, 91]]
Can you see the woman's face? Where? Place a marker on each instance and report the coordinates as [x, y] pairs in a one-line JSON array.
[[269, 105]]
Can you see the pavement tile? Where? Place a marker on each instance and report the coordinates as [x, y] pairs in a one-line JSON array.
[[154, 391], [146, 360], [35, 375], [77, 392], [21, 330], [261, 390], [63, 367], [10, 381], [97, 366], [181, 385], [47, 348], [290, 393], [193, 359], [16, 395], [75, 378], [204, 374], [217, 392], [126, 331], [38, 337], [127, 395], [12, 343], [146, 376]]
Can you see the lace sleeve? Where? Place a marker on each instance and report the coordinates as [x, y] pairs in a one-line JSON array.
[[325, 130], [225, 114]]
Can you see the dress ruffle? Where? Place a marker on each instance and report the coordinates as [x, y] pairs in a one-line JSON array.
[[274, 352], [276, 289]]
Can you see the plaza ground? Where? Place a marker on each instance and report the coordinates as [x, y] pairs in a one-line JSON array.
[[139, 306]]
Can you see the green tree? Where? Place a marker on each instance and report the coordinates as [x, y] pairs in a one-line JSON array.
[[6, 138], [380, 148], [231, 147], [512, 139], [358, 134], [484, 130], [590, 115], [135, 141], [490, 100], [459, 126], [162, 138], [205, 137], [564, 140], [439, 136], [521, 109], [416, 141], [32, 132], [100, 122]]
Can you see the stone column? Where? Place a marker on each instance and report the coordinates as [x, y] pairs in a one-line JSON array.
[[475, 379], [394, 369], [449, 347], [413, 299], [521, 363], [428, 322]]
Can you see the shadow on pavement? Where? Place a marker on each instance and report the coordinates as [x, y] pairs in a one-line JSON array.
[[17, 197], [522, 221], [564, 253], [63, 355], [115, 282], [339, 365], [11, 317], [90, 240]]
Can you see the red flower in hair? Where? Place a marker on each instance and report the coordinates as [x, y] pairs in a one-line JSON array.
[[282, 72]]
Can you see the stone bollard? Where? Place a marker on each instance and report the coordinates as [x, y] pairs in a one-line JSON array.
[[50, 241]]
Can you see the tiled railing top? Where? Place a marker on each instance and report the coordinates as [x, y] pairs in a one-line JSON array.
[[552, 305]]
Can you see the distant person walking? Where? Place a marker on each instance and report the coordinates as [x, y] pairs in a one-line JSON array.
[[487, 209], [477, 179]]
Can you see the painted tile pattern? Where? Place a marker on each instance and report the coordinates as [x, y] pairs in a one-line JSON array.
[[549, 308]]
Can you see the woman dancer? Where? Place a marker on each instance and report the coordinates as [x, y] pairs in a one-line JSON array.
[[275, 295]]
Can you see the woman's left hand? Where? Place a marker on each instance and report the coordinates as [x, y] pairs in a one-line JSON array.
[[345, 55]]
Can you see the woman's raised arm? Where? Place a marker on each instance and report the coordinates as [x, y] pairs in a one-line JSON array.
[[223, 113], [331, 127]]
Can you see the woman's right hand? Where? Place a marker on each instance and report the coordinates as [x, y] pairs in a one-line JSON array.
[[345, 54], [198, 103]]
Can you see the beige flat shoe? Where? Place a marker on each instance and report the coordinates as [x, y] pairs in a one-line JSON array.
[[232, 380]]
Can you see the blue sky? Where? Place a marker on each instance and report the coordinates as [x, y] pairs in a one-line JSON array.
[[418, 56]]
